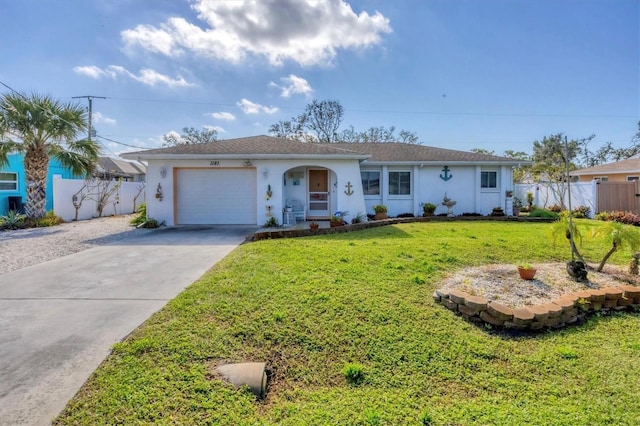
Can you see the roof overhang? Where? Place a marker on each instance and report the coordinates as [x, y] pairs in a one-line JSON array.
[[448, 163], [141, 156]]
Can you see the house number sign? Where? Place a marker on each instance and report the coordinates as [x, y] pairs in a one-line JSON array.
[[214, 163]]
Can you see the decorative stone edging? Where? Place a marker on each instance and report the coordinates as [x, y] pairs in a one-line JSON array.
[[560, 312], [293, 233]]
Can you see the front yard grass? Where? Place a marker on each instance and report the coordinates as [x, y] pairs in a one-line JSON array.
[[311, 307]]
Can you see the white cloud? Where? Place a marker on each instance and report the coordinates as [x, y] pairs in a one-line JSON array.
[[249, 107], [227, 116], [145, 76], [101, 118], [306, 32], [216, 128], [293, 85]]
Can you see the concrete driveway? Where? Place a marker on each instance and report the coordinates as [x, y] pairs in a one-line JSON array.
[[59, 319]]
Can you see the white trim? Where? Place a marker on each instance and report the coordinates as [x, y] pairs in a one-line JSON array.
[[14, 181]]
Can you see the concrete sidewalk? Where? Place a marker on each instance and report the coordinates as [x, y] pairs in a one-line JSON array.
[[59, 319]]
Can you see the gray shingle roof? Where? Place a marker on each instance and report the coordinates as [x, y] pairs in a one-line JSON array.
[[375, 152], [265, 145], [630, 165], [392, 152]]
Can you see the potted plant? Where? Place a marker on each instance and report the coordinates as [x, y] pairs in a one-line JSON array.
[[526, 271], [428, 209], [337, 219], [380, 211], [517, 205], [497, 211]]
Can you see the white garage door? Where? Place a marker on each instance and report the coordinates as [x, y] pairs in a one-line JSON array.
[[216, 196]]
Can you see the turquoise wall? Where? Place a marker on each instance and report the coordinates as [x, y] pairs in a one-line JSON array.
[[16, 164]]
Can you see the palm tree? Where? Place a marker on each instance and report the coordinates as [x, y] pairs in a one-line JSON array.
[[42, 128], [619, 235]]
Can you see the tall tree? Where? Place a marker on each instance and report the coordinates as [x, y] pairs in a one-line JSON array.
[[324, 118], [41, 128], [190, 136], [321, 121], [550, 157]]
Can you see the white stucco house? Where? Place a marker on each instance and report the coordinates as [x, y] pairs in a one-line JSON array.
[[248, 180]]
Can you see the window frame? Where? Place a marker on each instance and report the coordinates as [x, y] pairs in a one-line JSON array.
[[366, 187], [410, 181], [633, 178], [497, 182], [4, 181]]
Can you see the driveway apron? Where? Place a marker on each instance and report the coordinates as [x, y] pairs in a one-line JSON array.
[[59, 319]]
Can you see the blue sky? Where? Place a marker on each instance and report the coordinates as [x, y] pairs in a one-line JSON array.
[[462, 74]]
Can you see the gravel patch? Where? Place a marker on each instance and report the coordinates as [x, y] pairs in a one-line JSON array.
[[26, 247], [501, 283]]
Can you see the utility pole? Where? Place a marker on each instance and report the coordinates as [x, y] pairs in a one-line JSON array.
[[90, 98]]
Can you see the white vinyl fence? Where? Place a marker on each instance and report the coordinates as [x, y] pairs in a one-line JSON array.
[[582, 194], [121, 201]]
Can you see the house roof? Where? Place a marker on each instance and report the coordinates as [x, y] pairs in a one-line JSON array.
[[396, 152], [253, 147], [630, 165], [120, 167], [262, 147]]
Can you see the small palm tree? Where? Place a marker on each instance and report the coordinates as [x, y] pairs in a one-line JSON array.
[[42, 128], [563, 227], [620, 236]]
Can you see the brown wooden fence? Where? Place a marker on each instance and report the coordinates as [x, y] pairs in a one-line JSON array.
[[618, 196]]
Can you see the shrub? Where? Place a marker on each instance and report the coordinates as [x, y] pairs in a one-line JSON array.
[[12, 220], [546, 214], [141, 216], [429, 208], [50, 219], [271, 223], [150, 223], [354, 373], [618, 216], [581, 212], [556, 208]]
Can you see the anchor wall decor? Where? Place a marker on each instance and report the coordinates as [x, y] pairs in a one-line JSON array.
[[349, 192], [446, 176]]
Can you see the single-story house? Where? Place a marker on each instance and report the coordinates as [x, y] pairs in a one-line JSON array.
[[620, 171], [249, 180], [13, 185], [109, 168]]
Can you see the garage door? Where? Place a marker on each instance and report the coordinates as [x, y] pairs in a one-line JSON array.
[[216, 196]]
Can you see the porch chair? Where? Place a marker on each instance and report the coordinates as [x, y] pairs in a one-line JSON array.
[[298, 208]]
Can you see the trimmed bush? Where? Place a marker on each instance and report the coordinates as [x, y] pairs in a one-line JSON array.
[[544, 214], [618, 216]]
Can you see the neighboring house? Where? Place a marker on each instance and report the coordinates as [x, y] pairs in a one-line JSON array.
[[248, 180], [621, 171], [114, 169], [13, 185]]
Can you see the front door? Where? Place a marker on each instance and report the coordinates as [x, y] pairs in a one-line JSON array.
[[318, 201]]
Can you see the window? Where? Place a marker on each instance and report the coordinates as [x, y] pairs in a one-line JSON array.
[[489, 179], [370, 183], [632, 178], [8, 181], [399, 183], [601, 178]]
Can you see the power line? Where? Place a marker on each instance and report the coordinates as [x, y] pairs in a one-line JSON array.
[[122, 143]]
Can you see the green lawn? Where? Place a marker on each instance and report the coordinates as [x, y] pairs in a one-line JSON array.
[[310, 306]]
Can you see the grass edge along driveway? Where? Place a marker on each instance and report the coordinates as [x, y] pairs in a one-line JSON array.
[[311, 306]]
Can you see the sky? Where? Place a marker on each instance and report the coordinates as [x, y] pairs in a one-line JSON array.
[[461, 74]]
